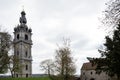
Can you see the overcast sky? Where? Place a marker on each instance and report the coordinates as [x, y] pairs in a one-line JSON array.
[[51, 20]]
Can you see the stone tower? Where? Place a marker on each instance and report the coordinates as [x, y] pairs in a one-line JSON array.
[[22, 47]]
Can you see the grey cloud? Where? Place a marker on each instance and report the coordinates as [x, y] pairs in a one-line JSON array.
[[7, 4], [69, 7], [83, 43]]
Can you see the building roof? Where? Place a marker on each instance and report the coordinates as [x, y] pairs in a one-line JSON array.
[[88, 66]]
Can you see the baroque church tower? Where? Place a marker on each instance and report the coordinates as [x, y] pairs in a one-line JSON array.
[[22, 47]]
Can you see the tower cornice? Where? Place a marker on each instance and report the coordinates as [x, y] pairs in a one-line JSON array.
[[26, 42]]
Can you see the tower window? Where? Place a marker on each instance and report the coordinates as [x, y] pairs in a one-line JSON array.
[[26, 37], [92, 79], [91, 73], [18, 36], [26, 54], [84, 73], [17, 52], [16, 75], [26, 75], [26, 67]]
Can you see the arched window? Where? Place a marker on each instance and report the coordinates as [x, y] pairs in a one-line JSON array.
[[17, 36], [91, 73], [26, 75], [92, 79], [16, 75], [26, 54], [26, 67], [84, 73], [26, 37], [17, 53]]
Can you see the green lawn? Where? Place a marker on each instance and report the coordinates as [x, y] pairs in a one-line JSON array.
[[34, 78]]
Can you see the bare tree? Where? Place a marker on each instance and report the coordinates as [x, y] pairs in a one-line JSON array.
[[14, 65], [65, 66], [47, 66], [111, 15]]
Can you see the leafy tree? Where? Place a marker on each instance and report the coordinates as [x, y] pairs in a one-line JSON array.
[[64, 61], [110, 59], [7, 61], [47, 66], [5, 43]]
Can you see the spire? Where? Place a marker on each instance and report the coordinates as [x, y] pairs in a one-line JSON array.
[[23, 18]]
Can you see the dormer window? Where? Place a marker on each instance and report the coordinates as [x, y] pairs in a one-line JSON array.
[[26, 37]]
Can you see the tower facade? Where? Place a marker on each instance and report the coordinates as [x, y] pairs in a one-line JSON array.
[[22, 47]]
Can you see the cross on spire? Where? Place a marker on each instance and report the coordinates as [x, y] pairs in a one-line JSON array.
[[23, 7]]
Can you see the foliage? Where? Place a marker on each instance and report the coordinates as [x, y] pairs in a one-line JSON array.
[[7, 61], [58, 77], [5, 43], [110, 59]]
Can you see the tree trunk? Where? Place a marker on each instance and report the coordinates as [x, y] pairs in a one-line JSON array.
[[48, 71], [12, 74], [118, 77]]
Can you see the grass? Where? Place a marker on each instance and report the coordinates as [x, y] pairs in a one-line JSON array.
[[32, 78]]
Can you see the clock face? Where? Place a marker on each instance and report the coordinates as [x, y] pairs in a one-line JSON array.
[[26, 46]]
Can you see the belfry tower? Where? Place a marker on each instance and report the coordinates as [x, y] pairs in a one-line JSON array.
[[22, 47]]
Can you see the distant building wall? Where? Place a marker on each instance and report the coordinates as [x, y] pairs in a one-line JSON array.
[[92, 75], [88, 73]]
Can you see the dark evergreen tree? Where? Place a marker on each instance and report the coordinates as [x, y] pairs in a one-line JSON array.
[[110, 56]]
